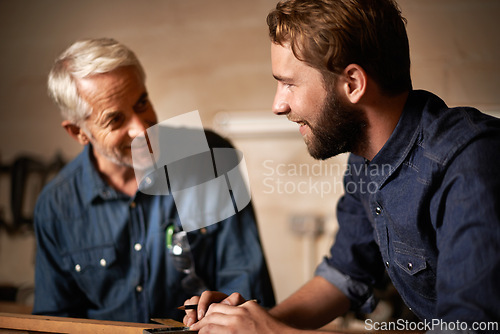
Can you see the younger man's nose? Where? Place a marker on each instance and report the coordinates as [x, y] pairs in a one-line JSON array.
[[281, 108]]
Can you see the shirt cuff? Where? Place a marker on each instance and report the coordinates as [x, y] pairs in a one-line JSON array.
[[360, 294]]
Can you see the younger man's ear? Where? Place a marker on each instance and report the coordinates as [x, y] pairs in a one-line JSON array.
[[355, 82], [76, 132]]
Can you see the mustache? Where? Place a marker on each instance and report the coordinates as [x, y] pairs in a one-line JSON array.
[[291, 118]]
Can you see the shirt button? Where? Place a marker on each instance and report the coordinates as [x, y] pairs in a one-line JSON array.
[[137, 247], [148, 180], [103, 262], [78, 268], [132, 205], [387, 264], [410, 265], [138, 288], [378, 210]]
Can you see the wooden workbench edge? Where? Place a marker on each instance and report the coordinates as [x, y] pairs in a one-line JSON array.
[[50, 324]]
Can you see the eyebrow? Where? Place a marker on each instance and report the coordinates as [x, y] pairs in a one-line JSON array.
[[108, 116], [278, 77], [282, 79]]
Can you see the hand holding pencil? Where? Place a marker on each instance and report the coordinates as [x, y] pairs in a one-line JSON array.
[[218, 313], [197, 306]]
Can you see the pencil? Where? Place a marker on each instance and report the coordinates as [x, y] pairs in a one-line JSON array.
[[188, 307], [195, 306]]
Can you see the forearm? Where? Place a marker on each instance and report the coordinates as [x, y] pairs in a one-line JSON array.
[[315, 304]]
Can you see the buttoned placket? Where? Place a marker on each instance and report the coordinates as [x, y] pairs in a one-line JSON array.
[[137, 227], [378, 210], [379, 216], [381, 230]]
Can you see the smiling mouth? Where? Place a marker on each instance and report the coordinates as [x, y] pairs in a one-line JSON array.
[[303, 125]]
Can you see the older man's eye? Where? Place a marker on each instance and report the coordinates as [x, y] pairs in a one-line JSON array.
[[115, 120], [142, 105]]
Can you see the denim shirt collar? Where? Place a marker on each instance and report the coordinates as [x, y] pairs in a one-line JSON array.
[[402, 139]]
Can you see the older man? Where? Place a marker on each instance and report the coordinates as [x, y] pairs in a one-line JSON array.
[[105, 248]]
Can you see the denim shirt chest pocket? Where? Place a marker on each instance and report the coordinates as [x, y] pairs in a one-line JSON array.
[[93, 268], [413, 270]]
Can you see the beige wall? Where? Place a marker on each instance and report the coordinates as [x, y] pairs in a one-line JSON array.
[[213, 56]]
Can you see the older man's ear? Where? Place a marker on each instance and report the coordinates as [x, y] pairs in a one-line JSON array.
[[75, 132]]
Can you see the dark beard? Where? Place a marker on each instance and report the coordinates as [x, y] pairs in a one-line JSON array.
[[340, 128]]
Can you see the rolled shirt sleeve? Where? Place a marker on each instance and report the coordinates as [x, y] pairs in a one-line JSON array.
[[360, 294]]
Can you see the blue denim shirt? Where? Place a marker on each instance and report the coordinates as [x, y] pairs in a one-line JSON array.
[[103, 255], [426, 209]]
